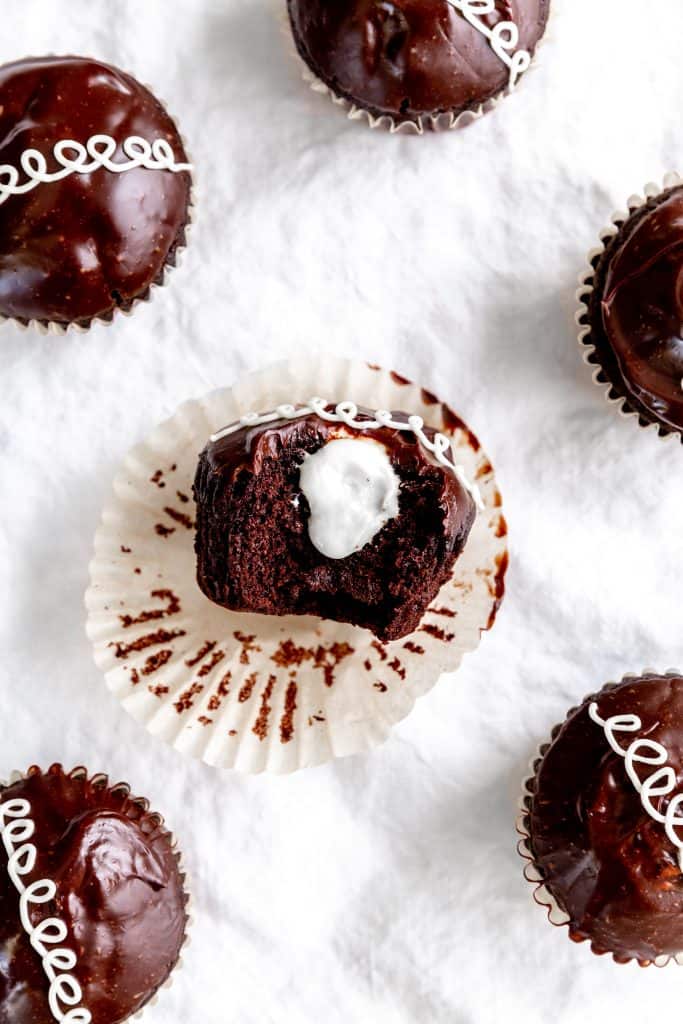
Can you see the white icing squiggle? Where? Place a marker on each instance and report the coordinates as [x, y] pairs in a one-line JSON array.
[[347, 412], [504, 37], [65, 993], [75, 158], [660, 783]]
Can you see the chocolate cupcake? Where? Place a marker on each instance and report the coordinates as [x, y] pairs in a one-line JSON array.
[[632, 309], [92, 902], [418, 63], [332, 511], [95, 191], [602, 821]]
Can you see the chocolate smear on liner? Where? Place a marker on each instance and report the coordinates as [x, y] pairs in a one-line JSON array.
[[172, 608], [287, 720], [161, 636], [247, 688], [186, 700], [222, 691], [260, 727], [156, 661], [201, 654], [180, 517], [248, 646], [437, 632]]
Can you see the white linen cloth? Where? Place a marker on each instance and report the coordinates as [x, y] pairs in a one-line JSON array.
[[385, 888]]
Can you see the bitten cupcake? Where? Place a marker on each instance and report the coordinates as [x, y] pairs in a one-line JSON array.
[[94, 191], [603, 821], [92, 902], [631, 313], [418, 61], [231, 625], [332, 511]]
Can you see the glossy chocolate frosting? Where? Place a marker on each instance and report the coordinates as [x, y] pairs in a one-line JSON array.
[[247, 447], [606, 861], [641, 303], [408, 58], [119, 892], [78, 248]]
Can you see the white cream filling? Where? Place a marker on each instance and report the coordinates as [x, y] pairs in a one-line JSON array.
[[352, 491]]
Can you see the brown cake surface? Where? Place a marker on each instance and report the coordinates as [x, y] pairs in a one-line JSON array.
[[254, 551], [607, 860], [82, 246], [410, 58], [119, 892]]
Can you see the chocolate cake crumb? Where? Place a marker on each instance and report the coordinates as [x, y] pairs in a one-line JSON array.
[[164, 531]]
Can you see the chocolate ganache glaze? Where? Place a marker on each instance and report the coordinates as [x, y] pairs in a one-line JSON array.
[[119, 892], [605, 858], [80, 247], [640, 299], [410, 58], [253, 547]]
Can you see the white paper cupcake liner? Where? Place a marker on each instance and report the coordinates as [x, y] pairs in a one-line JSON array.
[[541, 893], [255, 692], [102, 779], [56, 328], [446, 121], [619, 401]]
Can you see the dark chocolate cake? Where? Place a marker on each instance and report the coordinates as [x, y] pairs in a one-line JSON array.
[[608, 843], [303, 515], [94, 190], [102, 888], [635, 312], [411, 59]]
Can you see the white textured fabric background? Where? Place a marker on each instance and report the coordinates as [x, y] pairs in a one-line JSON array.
[[385, 889]]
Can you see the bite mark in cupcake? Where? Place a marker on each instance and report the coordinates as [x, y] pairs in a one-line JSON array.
[[332, 511]]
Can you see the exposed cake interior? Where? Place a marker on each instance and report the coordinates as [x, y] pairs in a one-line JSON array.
[[253, 544]]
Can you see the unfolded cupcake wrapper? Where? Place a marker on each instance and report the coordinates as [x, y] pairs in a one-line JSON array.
[[438, 122], [53, 327], [267, 693], [101, 781], [541, 893], [613, 393]]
